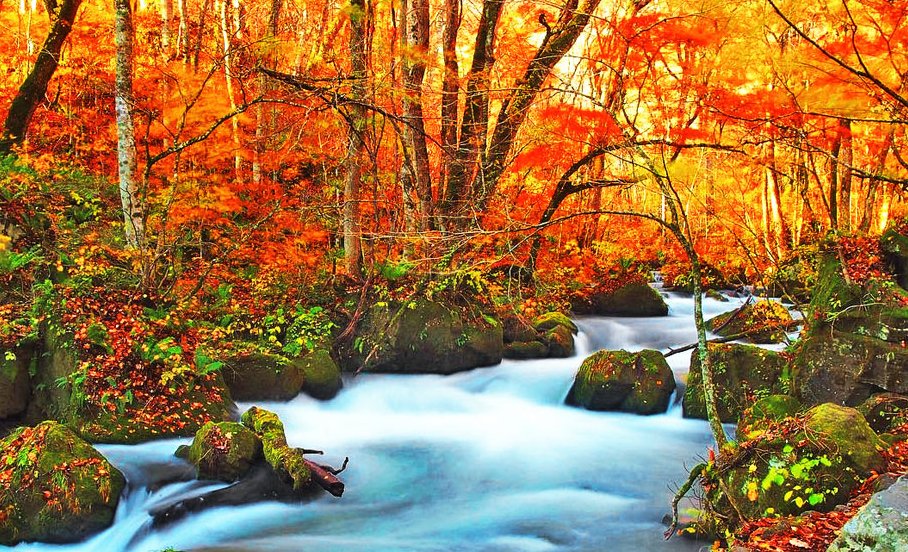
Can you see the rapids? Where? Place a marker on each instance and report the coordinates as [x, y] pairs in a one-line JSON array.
[[486, 460]]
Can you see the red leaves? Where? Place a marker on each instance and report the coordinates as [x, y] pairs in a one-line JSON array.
[[863, 259]]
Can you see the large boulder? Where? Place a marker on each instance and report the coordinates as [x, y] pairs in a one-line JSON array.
[[879, 526], [520, 350], [813, 465], [844, 368], [640, 382], [773, 408], [551, 335], [635, 298], [262, 377], [321, 375], [422, 337], [224, 451], [552, 320], [760, 322], [741, 374], [14, 381], [54, 486]]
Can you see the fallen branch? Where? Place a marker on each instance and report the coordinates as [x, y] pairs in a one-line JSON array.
[[682, 491], [716, 340]]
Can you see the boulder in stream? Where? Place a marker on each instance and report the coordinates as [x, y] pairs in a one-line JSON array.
[[321, 375], [634, 298], [760, 322], [54, 486], [812, 464], [262, 377], [640, 382], [422, 337], [741, 373], [224, 451]]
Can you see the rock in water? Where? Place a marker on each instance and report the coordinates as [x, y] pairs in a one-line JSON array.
[[880, 526], [224, 451], [632, 299], [54, 486], [321, 375], [640, 382], [262, 377]]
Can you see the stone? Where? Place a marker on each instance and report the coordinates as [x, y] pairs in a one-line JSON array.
[[520, 350], [422, 337], [741, 374], [223, 451], [58, 489], [773, 408], [632, 299], [14, 382], [321, 375], [640, 382], [881, 525], [762, 322], [560, 342], [262, 377], [885, 411], [551, 320]]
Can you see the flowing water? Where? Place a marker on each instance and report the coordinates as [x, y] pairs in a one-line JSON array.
[[486, 460]]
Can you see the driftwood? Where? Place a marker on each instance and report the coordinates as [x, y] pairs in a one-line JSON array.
[[694, 474]]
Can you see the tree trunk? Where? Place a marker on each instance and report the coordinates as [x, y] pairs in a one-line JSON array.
[[227, 30], [845, 160], [32, 91], [514, 109], [475, 123], [355, 144], [263, 122], [834, 182], [166, 31], [416, 37], [874, 184], [449, 88], [126, 140]]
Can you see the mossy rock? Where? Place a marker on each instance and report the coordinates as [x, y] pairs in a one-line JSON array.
[[716, 295], [631, 299], [224, 451], [814, 468], [14, 381], [762, 322], [560, 342], [321, 375], [526, 350], [844, 368], [741, 373], [885, 411], [772, 408], [262, 377], [55, 487], [640, 382], [422, 337], [551, 320]]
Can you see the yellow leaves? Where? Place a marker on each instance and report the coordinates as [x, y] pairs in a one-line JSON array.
[[5, 242]]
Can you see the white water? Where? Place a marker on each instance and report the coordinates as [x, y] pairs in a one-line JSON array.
[[486, 460]]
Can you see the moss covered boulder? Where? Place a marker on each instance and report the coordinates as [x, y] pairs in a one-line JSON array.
[[321, 375], [520, 350], [635, 298], [844, 368], [516, 328], [262, 377], [813, 465], [742, 374], [422, 337], [552, 320], [54, 486], [773, 408], [224, 451], [14, 382], [640, 382], [560, 342], [885, 411], [760, 322]]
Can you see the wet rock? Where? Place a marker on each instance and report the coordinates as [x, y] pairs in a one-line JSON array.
[[321, 375], [560, 342], [879, 526], [761, 322], [640, 382], [58, 488], [526, 350], [224, 451], [551, 320], [423, 337], [741, 373], [885, 411], [631, 299], [262, 377], [845, 368], [14, 381]]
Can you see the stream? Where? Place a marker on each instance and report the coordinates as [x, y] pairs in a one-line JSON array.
[[486, 460]]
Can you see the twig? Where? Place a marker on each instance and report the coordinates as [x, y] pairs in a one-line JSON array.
[[694, 474]]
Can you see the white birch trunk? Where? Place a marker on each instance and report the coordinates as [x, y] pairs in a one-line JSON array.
[[126, 140]]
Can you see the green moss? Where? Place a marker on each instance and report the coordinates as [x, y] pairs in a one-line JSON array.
[[772, 408], [286, 461], [763, 322], [525, 350], [224, 451], [640, 382], [321, 375], [550, 320], [560, 342], [56, 487]]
